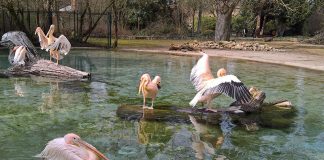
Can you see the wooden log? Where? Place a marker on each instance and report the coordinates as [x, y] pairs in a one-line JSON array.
[[270, 115], [46, 68], [250, 115]]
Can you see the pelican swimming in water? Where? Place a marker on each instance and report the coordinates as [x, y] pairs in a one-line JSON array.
[[70, 147], [149, 88], [56, 46], [20, 55], [209, 87]]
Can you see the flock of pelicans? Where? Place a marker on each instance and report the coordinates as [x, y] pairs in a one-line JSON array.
[[72, 147], [206, 85]]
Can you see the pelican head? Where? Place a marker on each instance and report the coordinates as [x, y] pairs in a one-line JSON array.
[[202, 52], [74, 139], [221, 72], [157, 81], [38, 29], [15, 48]]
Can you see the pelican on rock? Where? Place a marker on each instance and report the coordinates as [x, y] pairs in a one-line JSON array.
[[209, 87], [149, 88]]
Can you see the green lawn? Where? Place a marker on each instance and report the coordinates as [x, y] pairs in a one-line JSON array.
[[136, 43]]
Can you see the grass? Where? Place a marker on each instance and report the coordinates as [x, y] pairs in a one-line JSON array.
[[137, 43]]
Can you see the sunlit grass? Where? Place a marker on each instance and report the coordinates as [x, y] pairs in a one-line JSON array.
[[137, 43]]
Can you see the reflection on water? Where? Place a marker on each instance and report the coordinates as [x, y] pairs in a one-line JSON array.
[[35, 110]]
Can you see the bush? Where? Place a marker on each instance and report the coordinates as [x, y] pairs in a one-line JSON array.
[[207, 23]]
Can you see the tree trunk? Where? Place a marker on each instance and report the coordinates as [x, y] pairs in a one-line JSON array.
[[263, 25], [115, 44], [138, 23], [258, 25], [80, 32], [281, 27], [199, 19], [46, 68], [49, 14], [193, 21], [223, 26]]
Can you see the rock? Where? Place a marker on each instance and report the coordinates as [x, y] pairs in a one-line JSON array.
[[195, 46]]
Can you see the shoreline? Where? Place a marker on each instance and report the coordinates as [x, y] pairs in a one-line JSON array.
[[301, 60], [288, 58]]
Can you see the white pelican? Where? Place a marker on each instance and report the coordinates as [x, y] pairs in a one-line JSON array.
[[209, 87], [57, 46], [13, 40], [70, 147], [20, 55], [149, 88]]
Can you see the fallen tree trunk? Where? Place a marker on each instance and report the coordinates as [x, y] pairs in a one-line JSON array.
[[277, 114], [270, 115], [46, 68]]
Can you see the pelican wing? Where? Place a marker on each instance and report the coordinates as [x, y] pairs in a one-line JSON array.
[[18, 38], [201, 73], [43, 40], [229, 85], [57, 149], [61, 45]]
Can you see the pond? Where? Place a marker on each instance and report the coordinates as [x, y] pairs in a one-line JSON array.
[[34, 111]]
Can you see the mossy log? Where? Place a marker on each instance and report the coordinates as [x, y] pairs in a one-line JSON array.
[[270, 115], [46, 68], [277, 114]]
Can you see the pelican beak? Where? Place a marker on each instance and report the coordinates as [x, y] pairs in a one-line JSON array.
[[158, 85], [91, 148]]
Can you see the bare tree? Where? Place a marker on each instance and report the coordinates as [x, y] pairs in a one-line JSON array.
[[117, 8]]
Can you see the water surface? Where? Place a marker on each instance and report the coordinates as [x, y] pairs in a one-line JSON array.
[[34, 111]]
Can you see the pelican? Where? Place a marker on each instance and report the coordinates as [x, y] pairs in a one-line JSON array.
[[149, 88], [20, 55], [15, 39], [70, 147], [209, 87], [56, 46]]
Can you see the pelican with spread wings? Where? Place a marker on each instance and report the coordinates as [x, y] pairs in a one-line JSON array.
[[209, 87], [22, 51], [57, 47]]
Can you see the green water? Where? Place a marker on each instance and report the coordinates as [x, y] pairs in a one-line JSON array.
[[34, 111]]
